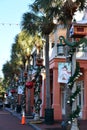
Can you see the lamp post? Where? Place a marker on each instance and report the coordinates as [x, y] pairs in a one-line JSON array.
[[71, 85]]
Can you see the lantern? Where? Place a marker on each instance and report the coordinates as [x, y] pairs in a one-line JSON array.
[[60, 49], [29, 84]]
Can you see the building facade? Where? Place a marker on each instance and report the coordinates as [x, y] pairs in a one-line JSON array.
[[58, 93]]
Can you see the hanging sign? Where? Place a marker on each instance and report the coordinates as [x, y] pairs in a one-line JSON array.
[[64, 72], [20, 89]]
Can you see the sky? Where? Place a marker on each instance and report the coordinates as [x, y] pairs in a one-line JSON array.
[[11, 13]]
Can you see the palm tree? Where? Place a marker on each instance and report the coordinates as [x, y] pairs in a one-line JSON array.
[[20, 54], [40, 19], [42, 25], [25, 40]]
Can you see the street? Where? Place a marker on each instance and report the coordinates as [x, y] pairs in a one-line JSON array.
[[10, 122]]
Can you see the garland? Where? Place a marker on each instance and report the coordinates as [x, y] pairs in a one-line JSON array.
[[37, 88], [72, 98], [74, 43], [75, 76]]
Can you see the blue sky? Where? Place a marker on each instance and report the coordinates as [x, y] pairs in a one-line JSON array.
[[11, 12]]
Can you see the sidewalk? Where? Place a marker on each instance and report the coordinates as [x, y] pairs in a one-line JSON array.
[[43, 126], [40, 125]]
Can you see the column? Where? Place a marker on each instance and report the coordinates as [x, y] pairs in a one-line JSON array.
[[85, 95], [43, 95], [56, 96]]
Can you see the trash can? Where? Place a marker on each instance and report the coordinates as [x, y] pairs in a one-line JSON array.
[[18, 109], [49, 116]]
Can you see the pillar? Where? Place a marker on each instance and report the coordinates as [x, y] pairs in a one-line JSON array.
[[43, 95], [56, 96], [85, 95]]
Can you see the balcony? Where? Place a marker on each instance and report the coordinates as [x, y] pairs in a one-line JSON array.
[[79, 30]]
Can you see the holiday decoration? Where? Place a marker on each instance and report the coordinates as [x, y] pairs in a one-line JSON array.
[[64, 72], [75, 76], [10, 24], [37, 85], [73, 44], [29, 84], [71, 85], [73, 96], [37, 89], [13, 91]]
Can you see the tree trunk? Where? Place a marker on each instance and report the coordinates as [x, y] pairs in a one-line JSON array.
[[68, 92], [49, 113], [48, 102], [28, 102]]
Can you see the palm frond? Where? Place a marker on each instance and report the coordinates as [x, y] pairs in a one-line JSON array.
[[82, 4], [30, 22]]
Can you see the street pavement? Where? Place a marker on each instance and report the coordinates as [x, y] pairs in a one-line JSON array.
[[36, 125], [10, 120]]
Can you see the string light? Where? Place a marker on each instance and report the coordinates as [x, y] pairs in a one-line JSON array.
[[10, 24]]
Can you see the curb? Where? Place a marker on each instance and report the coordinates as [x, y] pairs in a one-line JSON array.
[[19, 117], [34, 126]]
